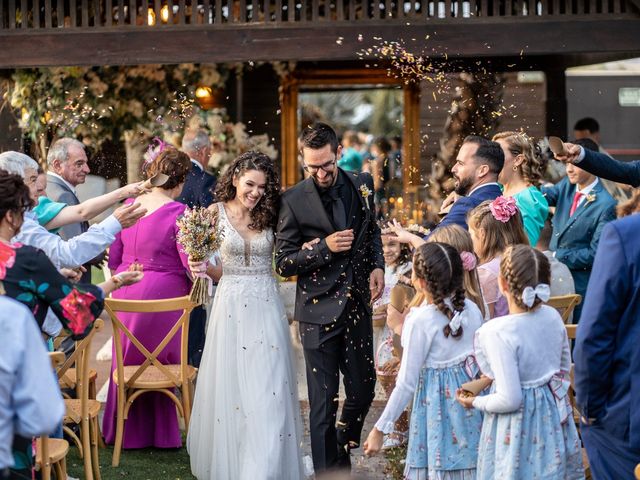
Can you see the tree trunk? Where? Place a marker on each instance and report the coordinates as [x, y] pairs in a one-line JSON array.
[[475, 110], [134, 150]]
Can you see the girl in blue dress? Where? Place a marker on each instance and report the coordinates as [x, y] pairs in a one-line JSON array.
[[437, 341], [528, 430]]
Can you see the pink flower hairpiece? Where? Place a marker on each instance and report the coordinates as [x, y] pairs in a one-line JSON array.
[[468, 261], [503, 208], [155, 148]]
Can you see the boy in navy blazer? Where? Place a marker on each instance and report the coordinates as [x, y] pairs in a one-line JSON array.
[[476, 171], [607, 357], [583, 208]]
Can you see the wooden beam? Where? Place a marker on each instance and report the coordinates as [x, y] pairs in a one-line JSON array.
[[233, 43]]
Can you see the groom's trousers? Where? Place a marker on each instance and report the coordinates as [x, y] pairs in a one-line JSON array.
[[344, 346]]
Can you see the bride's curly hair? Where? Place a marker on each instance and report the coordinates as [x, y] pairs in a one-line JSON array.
[[264, 215]]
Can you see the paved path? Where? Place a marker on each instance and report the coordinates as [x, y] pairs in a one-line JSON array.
[[364, 468]]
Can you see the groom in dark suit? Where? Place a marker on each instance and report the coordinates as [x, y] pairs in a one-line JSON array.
[[328, 237]]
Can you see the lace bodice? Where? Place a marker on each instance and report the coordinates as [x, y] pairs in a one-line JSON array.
[[245, 257]]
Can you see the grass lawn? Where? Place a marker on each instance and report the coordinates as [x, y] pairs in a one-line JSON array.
[[144, 464]]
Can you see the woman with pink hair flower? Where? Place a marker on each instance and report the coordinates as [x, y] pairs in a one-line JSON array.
[[494, 225]]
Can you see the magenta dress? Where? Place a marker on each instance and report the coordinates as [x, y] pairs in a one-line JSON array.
[[151, 242]]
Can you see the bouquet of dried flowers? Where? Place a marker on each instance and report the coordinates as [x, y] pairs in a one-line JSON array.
[[200, 237]]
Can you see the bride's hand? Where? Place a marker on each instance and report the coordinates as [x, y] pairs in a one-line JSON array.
[[309, 245], [197, 268]]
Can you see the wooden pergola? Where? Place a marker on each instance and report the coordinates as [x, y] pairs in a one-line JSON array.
[[547, 35]]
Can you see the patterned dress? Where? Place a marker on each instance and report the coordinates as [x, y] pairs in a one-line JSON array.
[[528, 431], [443, 436]]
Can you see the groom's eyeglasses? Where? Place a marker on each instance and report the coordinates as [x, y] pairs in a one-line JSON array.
[[327, 167]]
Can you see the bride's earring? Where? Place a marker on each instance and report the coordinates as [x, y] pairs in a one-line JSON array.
[[515, 168]]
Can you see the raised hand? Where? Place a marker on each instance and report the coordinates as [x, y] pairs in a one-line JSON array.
[[401, 234], [340, 241], [572, 152], [128, 215]]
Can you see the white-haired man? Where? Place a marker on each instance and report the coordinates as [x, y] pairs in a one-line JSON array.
[[68, 167], [198, 186], [70, 253]]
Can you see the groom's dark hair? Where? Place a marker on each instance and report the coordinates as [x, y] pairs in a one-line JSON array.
[[318, 135]]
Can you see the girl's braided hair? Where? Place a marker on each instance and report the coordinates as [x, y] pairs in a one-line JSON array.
[[440, 266], [522, 267]]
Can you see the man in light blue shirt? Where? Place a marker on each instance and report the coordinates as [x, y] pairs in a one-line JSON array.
[[70, 253], [77, 250], [30, 400]]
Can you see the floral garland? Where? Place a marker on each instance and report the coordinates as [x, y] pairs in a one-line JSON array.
[[100, 103]]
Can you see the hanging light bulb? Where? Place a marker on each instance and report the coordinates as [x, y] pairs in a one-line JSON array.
[[164, 14], [203, 92], [151, 17]]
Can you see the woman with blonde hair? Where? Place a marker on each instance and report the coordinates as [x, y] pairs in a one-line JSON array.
[[521, 176], [460, 239]]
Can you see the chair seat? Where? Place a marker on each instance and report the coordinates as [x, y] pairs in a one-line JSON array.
[[153, 377], [74, 410], [58, 449], [70, 378]]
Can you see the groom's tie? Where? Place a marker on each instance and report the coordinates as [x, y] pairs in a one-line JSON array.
[[337, 207]]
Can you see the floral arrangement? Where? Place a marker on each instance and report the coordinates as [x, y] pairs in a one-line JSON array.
[[200, 237], [100, 103]]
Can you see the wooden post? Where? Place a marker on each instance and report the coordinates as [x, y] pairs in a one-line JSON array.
[[411, 137], [556, 103], [289, 124]]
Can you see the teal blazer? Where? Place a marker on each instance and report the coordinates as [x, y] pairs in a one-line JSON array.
[[575, 239]]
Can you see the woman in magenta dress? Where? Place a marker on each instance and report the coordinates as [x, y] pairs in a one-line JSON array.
[[151, 245]]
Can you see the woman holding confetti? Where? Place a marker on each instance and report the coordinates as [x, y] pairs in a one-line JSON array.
[[150, 245], [245, 423]]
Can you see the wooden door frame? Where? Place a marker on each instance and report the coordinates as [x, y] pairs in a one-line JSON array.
[[289, 92]]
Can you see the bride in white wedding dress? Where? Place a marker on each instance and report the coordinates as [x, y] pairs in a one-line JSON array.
[[245, 423]]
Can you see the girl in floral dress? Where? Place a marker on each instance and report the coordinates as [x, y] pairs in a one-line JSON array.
[[528, 430], [437, 341], [494, 225], [397, 259]]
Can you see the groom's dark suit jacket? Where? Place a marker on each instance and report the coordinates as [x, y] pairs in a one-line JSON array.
[[327, 280]]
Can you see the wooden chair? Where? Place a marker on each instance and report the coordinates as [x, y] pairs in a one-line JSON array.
[[565, 304], [571, 333], [53, 450], [152, 375], [68, 379], [83, 411]]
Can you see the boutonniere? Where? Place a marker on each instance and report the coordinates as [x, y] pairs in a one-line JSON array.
[[591, 197], [365, 192]]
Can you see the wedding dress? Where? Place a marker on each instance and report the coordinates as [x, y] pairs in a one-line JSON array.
[[245, 423]]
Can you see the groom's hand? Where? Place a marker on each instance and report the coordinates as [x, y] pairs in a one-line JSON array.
[[340, 241], [376, 284]]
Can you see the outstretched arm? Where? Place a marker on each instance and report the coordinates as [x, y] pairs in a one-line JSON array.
[[602, 165], [88, 209]]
